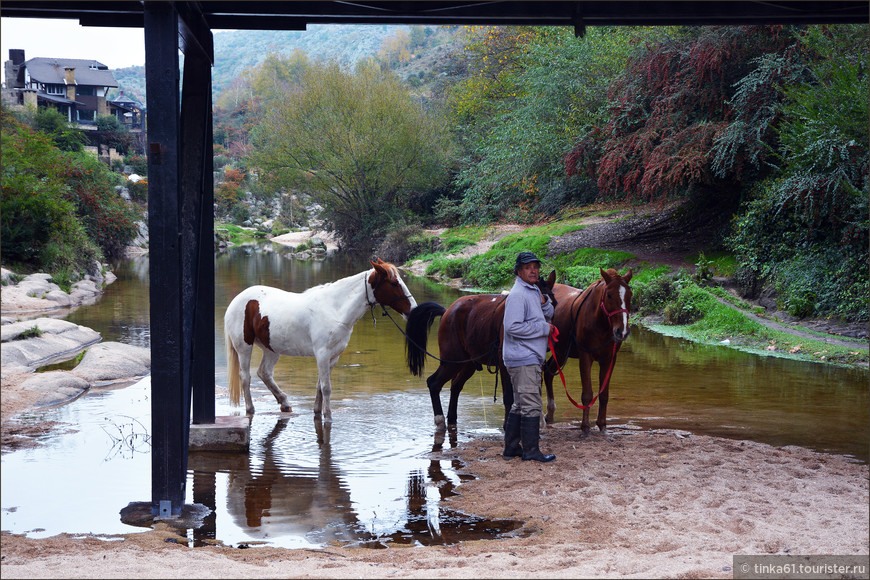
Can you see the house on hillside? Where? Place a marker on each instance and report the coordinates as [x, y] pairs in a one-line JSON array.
[[128, 111], [75, 87], [78, 88]]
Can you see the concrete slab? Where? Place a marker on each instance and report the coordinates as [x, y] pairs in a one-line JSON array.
[[227, 433]]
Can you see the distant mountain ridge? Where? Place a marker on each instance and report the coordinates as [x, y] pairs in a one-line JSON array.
[[236, 50]]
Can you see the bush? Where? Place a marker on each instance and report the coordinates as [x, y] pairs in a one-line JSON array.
[[405, 242], [52, 123], [109, 220], [38, 222], [650, 298], [108, 123], [690, 305], [138, 164], [239, 213], [138, 190], [451, 268]]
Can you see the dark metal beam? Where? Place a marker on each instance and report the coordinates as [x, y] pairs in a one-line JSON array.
[[170, 391], [295, 15]]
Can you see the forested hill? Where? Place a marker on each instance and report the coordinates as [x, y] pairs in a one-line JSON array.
[[236, 50]]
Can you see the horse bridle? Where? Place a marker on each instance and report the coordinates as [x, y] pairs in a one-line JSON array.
[[576, 313], [374, 301]]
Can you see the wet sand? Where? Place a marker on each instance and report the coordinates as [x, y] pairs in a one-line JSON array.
[[632, 503]]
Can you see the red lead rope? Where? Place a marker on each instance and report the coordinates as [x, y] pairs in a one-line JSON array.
[[603, 386], [609, 371]]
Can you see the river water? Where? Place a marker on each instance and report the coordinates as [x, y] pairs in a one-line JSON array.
[[368, 479]]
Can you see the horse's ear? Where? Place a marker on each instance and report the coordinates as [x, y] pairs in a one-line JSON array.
[[380, 268], [605, 276], [627, 277], [552, 279]]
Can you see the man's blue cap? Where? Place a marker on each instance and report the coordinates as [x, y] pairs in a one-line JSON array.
[[525, 258]]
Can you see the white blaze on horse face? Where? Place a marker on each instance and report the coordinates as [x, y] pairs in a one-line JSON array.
[[407, 293], [622, 290]]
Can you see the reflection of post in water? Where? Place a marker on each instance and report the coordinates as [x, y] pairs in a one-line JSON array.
[[204, 493], [205, 465]]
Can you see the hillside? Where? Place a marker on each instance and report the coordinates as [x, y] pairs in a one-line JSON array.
[[236, 50]]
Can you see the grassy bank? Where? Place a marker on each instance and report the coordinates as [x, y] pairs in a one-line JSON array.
[[686, 302]]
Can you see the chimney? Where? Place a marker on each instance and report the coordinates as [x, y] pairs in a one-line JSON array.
[[13, 72], [69, 79], [16, 55]]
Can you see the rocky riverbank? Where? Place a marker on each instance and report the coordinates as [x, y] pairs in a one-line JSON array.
[[33, 337]]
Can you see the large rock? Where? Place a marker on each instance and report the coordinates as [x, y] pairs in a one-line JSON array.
[[59, 339], [52, 388], [113, 361], [37, 292]]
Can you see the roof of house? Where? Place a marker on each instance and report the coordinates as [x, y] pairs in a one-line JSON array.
[[123, 100], [55, 99], [87, 72]]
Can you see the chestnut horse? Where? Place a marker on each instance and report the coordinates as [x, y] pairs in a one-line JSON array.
[[592, 325], [316, 323], [469, 336]]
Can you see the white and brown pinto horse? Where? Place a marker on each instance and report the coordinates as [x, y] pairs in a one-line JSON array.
[[315, 323]]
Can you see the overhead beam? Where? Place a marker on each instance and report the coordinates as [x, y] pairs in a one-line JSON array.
[[295, 15]]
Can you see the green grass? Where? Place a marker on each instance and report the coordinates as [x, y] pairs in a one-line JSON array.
[[239, 235], [32, 332], [705, 319], [721, 322]]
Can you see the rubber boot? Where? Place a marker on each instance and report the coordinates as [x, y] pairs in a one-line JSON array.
[[512, 447], [530, 432]]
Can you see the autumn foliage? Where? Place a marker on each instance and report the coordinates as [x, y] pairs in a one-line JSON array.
[[668, 109]]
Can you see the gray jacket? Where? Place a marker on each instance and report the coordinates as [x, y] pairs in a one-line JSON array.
[[526, 326]]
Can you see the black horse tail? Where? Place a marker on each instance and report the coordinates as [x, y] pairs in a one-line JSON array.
[[417, 333]]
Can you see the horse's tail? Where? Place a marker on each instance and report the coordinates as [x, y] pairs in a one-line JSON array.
[[232, 368], [417, 333]]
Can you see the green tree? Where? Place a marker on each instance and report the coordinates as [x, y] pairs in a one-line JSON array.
[[51, 122], [805, 230], [557, 92], [37, 219], [358, 143], [108, 123]]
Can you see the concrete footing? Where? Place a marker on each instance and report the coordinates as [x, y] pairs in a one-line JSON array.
[[228, 433]]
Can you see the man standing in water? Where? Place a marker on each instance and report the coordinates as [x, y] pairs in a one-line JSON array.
[[527, 316]]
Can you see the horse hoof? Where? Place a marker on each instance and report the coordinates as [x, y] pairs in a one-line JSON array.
[[286, 409]]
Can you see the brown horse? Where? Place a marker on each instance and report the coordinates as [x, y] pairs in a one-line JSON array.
[[592, 325], [469, 336]]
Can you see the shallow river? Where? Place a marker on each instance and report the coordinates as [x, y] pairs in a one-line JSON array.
[[368, 480]]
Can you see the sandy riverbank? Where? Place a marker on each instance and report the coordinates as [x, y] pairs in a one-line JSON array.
[[634, 504]]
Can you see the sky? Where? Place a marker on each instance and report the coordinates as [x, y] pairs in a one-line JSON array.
[[114, 47]]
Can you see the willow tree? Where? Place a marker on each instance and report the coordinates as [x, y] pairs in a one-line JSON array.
[[358, 143]]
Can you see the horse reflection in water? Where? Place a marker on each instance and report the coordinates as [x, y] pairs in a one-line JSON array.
[[268, 498], [266, 501]]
